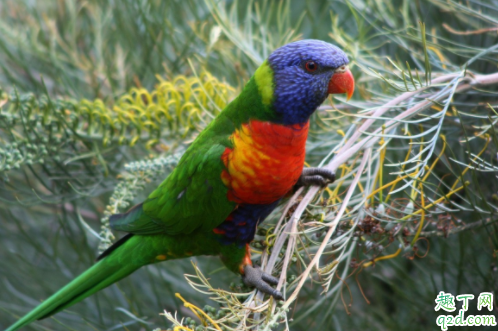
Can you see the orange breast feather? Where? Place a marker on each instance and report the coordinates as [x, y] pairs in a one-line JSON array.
[[265, 163]]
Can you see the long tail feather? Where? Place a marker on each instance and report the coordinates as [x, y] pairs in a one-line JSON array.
[[104, 273]]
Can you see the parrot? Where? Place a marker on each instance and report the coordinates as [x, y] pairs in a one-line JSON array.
[[230, 178]]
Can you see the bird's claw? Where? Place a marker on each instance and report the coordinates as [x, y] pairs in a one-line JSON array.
[[316, 176], [255, 277]]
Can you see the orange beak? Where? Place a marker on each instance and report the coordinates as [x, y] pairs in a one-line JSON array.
[[342, 82]]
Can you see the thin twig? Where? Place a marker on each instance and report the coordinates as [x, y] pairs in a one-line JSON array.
[[330, 232]]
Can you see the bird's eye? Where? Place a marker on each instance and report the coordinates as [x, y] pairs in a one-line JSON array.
[[311, 66]]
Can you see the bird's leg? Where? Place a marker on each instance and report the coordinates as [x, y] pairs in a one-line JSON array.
[[315, 176], [255, 277]]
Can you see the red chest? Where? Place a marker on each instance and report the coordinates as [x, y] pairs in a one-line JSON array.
[[265, 163]]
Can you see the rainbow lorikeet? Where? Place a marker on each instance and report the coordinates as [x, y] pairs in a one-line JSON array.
[[229, 179]]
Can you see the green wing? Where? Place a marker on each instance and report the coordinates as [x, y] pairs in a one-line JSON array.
[[193, 196]]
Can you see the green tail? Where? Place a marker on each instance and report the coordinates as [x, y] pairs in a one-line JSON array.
[[104, 273]]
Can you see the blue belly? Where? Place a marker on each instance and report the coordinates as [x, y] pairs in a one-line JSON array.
[[240, 226]]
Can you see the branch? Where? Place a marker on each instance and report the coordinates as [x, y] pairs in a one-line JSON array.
[[345, 153]]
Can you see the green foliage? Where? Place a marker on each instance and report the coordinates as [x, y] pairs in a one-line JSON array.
[[99, 99]]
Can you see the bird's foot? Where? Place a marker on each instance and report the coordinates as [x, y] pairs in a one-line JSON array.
[[255, 277], [316, 176]]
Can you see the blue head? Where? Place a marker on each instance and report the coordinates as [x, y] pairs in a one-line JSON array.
[[303, 75]]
